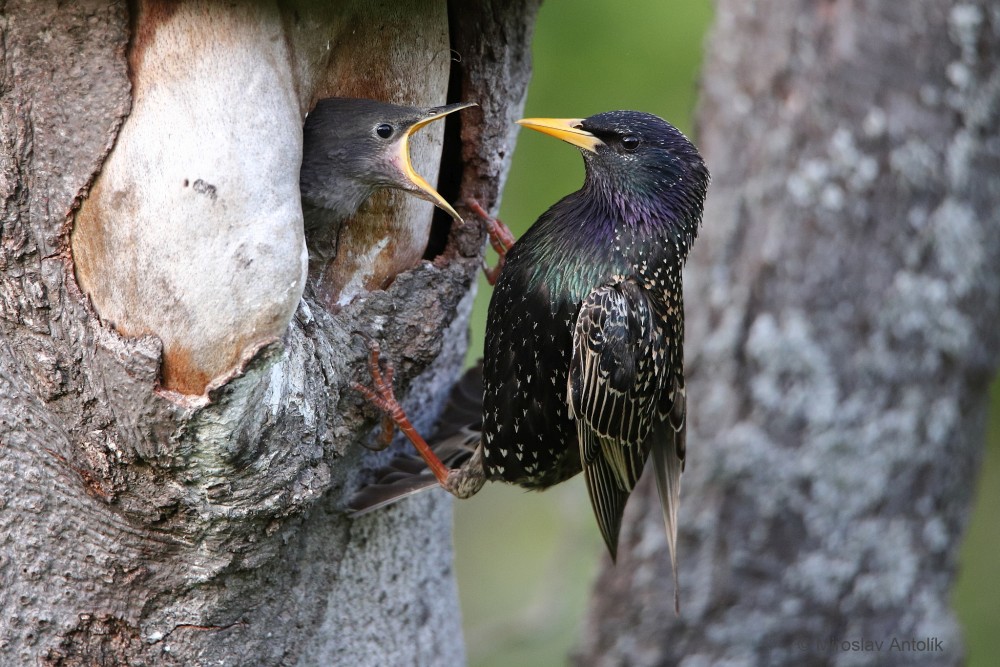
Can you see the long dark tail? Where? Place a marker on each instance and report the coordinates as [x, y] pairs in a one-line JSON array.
[[456, 439]]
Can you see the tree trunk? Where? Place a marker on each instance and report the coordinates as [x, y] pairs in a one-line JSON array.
[[177, 433], [841, 306]]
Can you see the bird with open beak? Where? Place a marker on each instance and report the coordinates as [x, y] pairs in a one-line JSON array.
[[352, 148]]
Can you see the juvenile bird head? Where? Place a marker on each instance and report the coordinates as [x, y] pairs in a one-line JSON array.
[[353, 147], [638, 165]]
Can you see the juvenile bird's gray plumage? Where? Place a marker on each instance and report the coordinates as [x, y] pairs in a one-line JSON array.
[[353, 147], [583, 360]]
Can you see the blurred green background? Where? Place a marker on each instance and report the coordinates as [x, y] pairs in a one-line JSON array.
[[525, 561]]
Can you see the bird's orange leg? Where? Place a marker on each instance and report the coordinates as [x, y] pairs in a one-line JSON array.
[[501, 238], [384, 398], [388, 426]]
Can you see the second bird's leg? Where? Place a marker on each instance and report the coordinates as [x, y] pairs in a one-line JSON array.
[[461, 482], [501, 238]]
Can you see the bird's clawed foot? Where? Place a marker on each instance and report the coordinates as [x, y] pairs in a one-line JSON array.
[[501, 238], [382, 396]]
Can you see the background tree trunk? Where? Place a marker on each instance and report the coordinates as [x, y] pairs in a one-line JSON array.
[[842, 307], [195, 517]]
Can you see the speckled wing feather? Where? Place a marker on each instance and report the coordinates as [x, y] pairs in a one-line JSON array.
[[668, 464], [615, 383]]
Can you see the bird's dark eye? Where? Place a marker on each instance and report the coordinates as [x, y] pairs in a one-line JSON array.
[[630, 142], [384, 130]]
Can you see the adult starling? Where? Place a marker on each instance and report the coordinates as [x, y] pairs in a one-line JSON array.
[[353, 147], [583, 362]]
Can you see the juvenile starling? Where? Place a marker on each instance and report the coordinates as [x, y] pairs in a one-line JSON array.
[[353, 147], [583, 362], [350, 149]]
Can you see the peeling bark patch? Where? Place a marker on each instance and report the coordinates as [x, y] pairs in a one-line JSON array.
[[220, 259], [96, 640]]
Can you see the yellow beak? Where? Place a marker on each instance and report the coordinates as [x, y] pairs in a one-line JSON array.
[[567, 129], [421, 187]]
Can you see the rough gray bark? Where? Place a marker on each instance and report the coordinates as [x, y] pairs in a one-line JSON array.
[[141, 525], [842, 304]]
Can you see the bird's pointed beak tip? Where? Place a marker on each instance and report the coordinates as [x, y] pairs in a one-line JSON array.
[[425, 190], [566, 129], [447, 208], [437, 113], [456, 106], [421, 187]]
